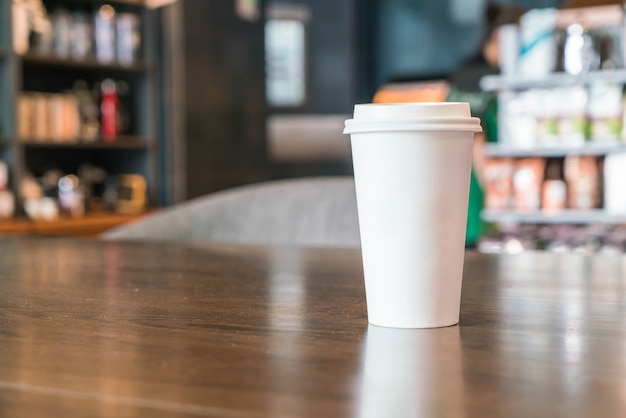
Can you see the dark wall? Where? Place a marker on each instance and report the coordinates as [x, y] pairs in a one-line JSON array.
[[421, 38], [332, 39], [355, 46], [224, 85]]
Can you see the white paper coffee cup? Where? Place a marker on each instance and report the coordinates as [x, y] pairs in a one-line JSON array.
[[412, 164]]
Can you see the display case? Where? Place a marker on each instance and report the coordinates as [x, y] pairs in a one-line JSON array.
[[77, 104], [556, 171], [559, 116], [550, 147]]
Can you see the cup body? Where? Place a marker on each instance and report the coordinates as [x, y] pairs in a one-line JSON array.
[[412, 189]]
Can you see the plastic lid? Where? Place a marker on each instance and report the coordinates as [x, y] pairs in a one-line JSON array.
[[441, 116]]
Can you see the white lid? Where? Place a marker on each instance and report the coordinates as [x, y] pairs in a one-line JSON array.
[[440, 116]]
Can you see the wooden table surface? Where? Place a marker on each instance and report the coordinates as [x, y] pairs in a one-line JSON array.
[[94, 329]]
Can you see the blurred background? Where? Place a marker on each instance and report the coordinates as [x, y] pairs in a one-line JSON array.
[[109, 110]]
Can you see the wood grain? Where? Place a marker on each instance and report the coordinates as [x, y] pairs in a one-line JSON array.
[[89, 328]]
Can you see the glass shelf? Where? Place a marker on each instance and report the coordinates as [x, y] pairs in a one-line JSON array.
[[590, 148], [500, 82], [567, 216]]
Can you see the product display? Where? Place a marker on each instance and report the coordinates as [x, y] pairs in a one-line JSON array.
[[56, 193], [48, 117], [566, 116], [80, 106], [80, 114], [532, 184], [561, 118], [107, 35]]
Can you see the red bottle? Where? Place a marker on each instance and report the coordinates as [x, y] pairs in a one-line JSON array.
[[109, 106]]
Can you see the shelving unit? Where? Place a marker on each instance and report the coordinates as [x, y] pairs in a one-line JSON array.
[[506, 87], [133, 151], [559, 137]]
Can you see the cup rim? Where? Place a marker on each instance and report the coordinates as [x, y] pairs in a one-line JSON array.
[[411, 110], [468, 124]]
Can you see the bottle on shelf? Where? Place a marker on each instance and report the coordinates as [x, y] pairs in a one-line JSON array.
[[128, 38], [583, 177], [88, 110], [82, 35], [554, 189], [579, 52], [109, 107], [104, 28]]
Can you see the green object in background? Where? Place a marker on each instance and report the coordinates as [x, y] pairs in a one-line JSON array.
[[485, 106], [475, 206]]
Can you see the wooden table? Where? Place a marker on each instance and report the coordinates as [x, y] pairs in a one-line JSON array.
[[93, 329]]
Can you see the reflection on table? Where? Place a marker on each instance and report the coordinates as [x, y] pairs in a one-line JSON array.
[[90, 328]]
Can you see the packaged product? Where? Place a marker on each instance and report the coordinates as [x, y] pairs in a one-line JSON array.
[[498, 174], [538, 46], [527, 181], [516, 120], [605, 111], [614, 175], [579, 52], [545, 106], [573, 125], [554, 189], [583, 179]]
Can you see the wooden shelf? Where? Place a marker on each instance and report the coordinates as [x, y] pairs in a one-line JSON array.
[[589, 148], [90, 225], [121, 142], [47, 61], [567, 216], [137, 3], [499, 82]]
